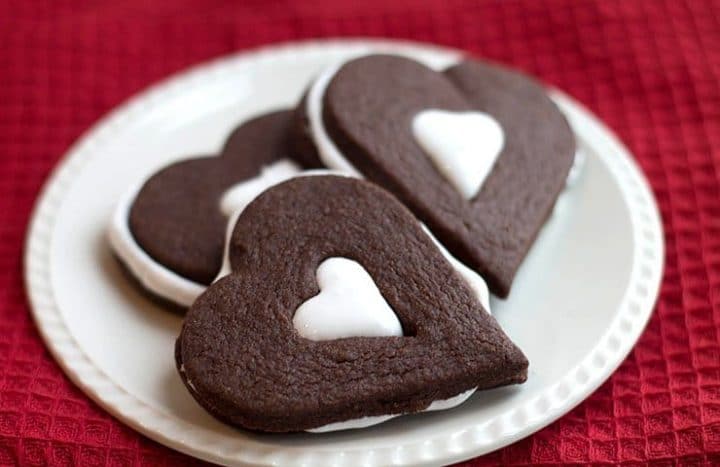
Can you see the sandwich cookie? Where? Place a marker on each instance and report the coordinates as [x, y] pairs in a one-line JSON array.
[[477, 152], [169, 233], [339, 307]]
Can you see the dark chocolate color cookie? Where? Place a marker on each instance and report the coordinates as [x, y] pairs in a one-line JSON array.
[[242, 359], [176, 216], [368, 109]]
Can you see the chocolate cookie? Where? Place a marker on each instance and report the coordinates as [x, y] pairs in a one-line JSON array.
[[284, 343], [170, 233], [478, 153]]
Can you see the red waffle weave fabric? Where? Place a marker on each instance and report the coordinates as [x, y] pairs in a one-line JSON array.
[[649, 69]]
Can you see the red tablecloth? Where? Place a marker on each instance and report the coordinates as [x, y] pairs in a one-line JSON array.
[[650, 69]]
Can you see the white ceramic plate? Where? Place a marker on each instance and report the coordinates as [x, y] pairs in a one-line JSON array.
[[578, 305]]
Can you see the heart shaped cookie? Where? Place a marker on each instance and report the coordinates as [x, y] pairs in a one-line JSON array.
[[478, 153], [243, 359], [170, 233]]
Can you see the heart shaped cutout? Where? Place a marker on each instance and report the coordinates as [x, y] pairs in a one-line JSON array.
[[359, 116], [462, 145], [243, 360], [349, 304]]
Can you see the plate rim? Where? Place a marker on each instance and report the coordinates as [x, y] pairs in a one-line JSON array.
[[485, 436]]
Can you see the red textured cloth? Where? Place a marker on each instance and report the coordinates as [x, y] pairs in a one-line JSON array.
[[650, 69]]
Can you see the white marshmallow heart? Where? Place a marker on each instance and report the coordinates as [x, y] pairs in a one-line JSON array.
[[349, 305], [463, 145]]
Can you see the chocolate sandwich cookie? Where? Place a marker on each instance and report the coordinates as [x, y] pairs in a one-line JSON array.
[[170, 232], [340, 307], [478, 153]]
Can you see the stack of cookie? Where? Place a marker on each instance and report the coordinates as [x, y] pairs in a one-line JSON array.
[[332, 260]]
